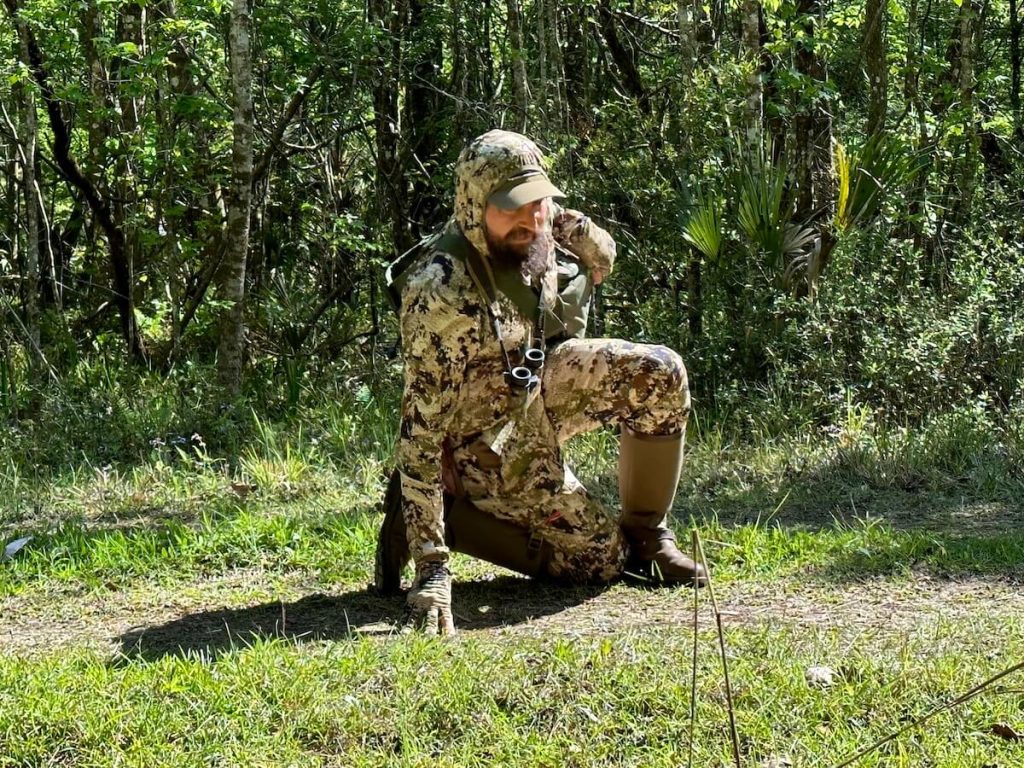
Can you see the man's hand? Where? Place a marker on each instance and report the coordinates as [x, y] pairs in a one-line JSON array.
[[567, 225], [575, 232], [429, 604]]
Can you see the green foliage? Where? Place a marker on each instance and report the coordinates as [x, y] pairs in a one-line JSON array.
[[882, 284], [703, 227], [762, 216], [882, 165]]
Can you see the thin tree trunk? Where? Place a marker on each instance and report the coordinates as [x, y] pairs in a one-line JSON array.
[[542, 55], [126, 198], [460, 70], [968, 25], [687, 20], [751, 42], [92, 30], [486, 54], [623, 59], [813, 125], [914, 104], [1015, 28], [391, 186], [520, 83], [232, 288], [423, 118], [29, 131], [99, 203], [685, 17], [875, 64], [555, 86], [960, 180]]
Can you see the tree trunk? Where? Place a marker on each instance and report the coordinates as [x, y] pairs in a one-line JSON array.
[[914, 104], [460, 66], [517, 53], [687, 21], [813, 125], [29, 132], [875, 64], [125, 200], [685, 17], [486, 54], [1015, 28], [231, 351], [99, 203], [968, 32], [423, 119], [555, 83], [623, 58], [751, 42], [92, 30], [578, 75], [391, 190], [542, 54]]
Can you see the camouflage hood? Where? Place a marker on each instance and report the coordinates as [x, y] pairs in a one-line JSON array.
[[482, 167]]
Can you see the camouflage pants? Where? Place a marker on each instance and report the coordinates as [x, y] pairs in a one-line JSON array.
[[518, 473]]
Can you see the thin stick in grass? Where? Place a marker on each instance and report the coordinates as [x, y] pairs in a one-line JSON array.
[[693, 672], [733, 733], [928, 715]]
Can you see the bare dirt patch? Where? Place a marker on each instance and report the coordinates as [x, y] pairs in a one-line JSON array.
[[213, 615]]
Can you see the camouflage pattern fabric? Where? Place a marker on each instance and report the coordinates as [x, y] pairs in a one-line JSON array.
[[504, 449]]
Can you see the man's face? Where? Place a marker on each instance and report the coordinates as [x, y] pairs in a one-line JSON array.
[[510, 234]]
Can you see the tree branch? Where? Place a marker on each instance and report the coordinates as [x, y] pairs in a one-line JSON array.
[[267, 157], [99, 205]]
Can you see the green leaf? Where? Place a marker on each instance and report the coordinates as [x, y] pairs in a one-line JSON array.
[[703, 227]]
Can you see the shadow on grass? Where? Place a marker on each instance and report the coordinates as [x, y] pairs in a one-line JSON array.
[[505, 600]]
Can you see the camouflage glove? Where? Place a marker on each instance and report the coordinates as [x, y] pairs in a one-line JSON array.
[[586, 241], [429, 604], [566, 224]]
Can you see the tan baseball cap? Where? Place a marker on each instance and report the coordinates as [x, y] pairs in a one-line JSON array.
[[525, 184]]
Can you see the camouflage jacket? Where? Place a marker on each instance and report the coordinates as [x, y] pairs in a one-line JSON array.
[[454, 367]]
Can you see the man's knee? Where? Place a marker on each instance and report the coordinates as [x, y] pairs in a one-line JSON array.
[[663, 375], [672, 367]]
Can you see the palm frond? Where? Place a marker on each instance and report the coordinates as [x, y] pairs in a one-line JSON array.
[[866, 176], [703, 227]]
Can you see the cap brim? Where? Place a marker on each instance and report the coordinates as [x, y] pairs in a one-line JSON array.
[[527, 192]]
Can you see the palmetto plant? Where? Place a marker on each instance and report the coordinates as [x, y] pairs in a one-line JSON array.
[[757, 207], [866, 175], [703, 227], [764, 215]]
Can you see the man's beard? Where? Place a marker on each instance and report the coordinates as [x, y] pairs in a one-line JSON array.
[[531, 258]]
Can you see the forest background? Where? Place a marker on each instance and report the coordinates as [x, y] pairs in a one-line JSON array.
[[817, 203]]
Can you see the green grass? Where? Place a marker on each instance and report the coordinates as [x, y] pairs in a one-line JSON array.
[[548, 701], [287, 528]]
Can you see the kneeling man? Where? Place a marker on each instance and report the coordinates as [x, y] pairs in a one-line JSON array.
[[497, 379]]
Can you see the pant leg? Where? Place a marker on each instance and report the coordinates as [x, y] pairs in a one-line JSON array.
[[524, 480], [519, 475], [590, 383]]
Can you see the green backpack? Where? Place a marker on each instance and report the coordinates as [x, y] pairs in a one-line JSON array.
[[566, 320]]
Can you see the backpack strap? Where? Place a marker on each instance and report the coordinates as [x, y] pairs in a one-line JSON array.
[[398, 271]]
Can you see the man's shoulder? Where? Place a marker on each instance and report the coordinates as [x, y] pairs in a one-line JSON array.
[[439, 277]]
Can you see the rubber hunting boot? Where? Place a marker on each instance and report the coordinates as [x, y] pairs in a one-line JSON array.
[[649, 469], [392, 544]]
